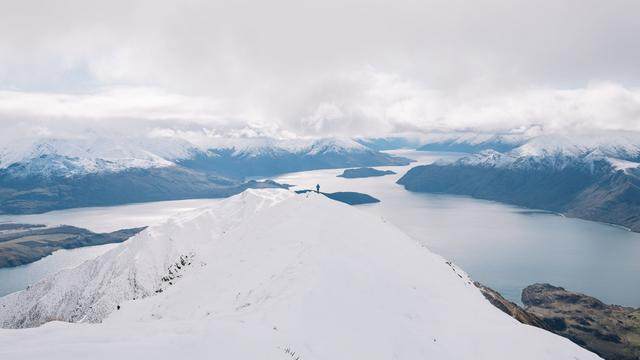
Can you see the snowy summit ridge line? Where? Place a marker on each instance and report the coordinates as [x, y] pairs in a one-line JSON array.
[[267, 274]]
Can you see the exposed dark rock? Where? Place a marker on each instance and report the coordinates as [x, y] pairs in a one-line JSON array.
[[555, 323], [610, 331], [511, 308]]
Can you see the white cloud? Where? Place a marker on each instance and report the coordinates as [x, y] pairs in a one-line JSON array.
[[373, 104], [318, 68]]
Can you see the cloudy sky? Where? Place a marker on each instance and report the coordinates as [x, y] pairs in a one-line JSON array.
[[302, 68]]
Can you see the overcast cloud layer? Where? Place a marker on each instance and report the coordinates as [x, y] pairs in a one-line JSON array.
[[297, 68]]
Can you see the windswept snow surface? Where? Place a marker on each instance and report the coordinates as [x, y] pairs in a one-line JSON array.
[[268, 274]]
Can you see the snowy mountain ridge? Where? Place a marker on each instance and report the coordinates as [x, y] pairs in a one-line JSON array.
[[538, 150], [50, 174], [472, 142], [273, 275], [558, 152], [140, 268], [71, 157]]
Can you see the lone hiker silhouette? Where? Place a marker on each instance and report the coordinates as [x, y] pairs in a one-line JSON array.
[[318, 188]]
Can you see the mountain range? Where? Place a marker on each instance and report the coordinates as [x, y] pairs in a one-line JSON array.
[[472, 142], [48, 174], [592, 177]]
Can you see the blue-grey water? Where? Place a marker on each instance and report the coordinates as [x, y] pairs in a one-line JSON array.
[[502, 246], [19, 277]]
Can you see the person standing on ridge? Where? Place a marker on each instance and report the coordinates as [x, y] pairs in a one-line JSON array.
[[318, 188]]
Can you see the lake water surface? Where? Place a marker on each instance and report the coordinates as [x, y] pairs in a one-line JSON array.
[[502, 246]]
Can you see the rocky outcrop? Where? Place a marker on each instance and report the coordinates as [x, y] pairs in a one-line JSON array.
[[511, 308], [611, 331]]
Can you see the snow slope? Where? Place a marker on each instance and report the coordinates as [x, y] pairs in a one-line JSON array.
[[268, 274]]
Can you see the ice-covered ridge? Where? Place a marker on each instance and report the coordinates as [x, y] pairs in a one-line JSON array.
[[272, 275]]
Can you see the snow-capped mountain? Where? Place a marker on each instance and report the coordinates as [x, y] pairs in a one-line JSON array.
[[590, 177], [624, 146], [47, 174], [557, 152], [393, 142], [268, 275], [472, 142], [74, 157]]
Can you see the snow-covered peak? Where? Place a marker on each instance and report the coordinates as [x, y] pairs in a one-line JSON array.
[[68, 157], [487, 158], [560, 151], [334, 145], [261, 146], [269, 274]]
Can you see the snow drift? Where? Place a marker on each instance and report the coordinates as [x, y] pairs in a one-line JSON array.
[[268, 274]]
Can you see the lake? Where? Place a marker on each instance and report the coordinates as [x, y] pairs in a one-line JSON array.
[[505, 247], [502, 246]]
